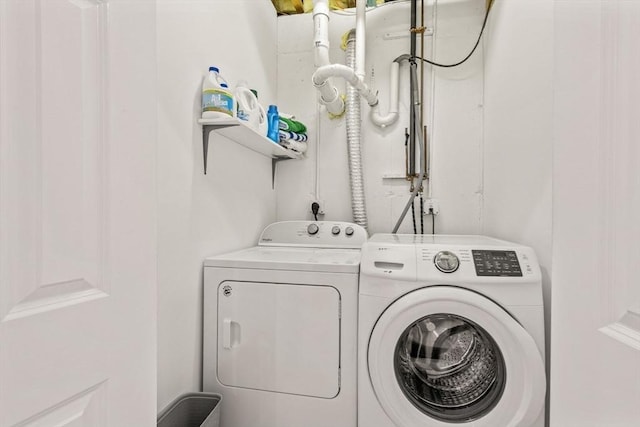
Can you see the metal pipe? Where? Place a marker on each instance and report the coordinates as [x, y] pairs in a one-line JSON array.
[[432, 102], [418, 131], [412, 118]]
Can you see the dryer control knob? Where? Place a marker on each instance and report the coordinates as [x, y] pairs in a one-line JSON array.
[[313, 229], [446, 261], [349, 231], [335, 230]]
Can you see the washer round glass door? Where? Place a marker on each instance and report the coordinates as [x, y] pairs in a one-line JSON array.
[[449, 367], [445, 355]]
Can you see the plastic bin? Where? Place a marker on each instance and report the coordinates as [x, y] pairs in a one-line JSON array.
[[192, 410]]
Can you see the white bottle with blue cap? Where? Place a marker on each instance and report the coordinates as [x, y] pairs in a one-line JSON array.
[[217, 99]]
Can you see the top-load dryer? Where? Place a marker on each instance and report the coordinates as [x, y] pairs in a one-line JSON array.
[[280, 327], [451, 332]]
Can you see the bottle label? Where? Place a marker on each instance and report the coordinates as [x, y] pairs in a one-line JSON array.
[[243, 115], [217, 100]]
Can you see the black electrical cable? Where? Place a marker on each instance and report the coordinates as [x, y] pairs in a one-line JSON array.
[[433, 222], [413, 216], [484, 24], [421, 214]]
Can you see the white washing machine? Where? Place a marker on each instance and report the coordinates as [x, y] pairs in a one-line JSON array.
[[280, 327], [451, 332]]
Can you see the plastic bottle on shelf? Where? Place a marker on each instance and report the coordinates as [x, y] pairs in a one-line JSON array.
[[249, 109], [217, 99], [273, 119], [263, 124]]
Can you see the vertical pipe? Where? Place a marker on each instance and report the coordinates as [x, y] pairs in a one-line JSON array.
[[329, 94], [412, 118], [414, 78], [321, 32], [432, 101], [422, 25], [321, 24], [361, 24], [423, 140]]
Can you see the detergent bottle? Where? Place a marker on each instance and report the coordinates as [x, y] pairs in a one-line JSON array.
[[273, 119], [217, 99], [249, 109]]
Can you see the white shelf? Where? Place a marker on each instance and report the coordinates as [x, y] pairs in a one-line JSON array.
[[237, 131], [241, 133]]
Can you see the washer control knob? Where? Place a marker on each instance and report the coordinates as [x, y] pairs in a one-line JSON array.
[[349, 231], [313, 229], [446, 261], [335, 230]]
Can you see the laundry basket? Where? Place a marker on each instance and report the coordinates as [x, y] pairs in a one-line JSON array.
[[192, 410]]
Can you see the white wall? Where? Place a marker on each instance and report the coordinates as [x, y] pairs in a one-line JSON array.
[[201, 215], [492, 133], [457, 140], [518, 129], [518, 122], [492, 139]]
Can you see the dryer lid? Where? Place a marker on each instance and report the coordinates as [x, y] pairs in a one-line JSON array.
[[291, 259], [322, 246]]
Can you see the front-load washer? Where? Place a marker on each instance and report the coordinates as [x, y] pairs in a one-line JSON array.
[[280, 327], [451, 332]]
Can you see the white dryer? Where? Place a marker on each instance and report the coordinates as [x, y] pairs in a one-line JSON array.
[[451, 332], [280, 327]]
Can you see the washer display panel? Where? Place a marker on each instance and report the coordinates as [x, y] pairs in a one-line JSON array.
[[450, 368]]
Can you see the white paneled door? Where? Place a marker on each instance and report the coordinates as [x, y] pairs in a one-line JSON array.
[[77, 206], [595, 320]]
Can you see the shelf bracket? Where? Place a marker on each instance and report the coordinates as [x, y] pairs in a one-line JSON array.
[[274, 163], [206, 130], [249, 138]]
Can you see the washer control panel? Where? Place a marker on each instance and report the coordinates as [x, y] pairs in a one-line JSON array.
[[496, 263], [448, 259]]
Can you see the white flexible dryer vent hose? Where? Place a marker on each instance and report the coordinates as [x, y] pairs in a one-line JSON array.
[[353, 142]]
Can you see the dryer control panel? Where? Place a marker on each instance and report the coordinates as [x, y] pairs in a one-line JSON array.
[[314, 234]]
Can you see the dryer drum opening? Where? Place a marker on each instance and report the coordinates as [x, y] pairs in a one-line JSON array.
[[450, 368]]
